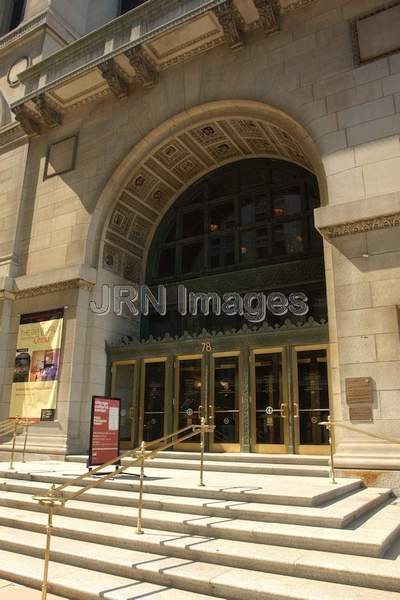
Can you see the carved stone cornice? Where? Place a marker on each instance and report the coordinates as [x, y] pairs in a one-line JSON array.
[[227, 17], [364, 226], [145, 71], [50, 288], [27, 119], [268, 11], [111, 73], [49, 115]]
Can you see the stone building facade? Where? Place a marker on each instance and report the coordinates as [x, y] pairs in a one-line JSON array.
[[107, 119]]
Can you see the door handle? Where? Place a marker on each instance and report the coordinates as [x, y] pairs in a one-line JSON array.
[[296, 410], [283, 411], [200, 411], [132, 413], [211, 414]]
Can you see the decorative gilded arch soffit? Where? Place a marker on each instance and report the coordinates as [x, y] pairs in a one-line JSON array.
[[180, 160]]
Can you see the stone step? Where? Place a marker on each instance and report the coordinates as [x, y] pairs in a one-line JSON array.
[[311, 564], [281, 489], [372, 538], [338, 514], [228, 582], [76, 583], [308, 470], [239, 457]]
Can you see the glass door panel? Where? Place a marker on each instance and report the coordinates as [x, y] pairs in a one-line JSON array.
[[269, 406], [225, 403], [123, 387], [188, 395], [311, 397], [153, 400]]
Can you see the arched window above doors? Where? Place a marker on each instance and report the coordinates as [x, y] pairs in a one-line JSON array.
[[244, 215]]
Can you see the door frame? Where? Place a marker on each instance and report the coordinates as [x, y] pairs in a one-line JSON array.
[[133, 411], [146, 361], [317, 449], [215, 446], [269, 448]]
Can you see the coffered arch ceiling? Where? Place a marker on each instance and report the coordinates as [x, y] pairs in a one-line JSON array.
[[215, 135]]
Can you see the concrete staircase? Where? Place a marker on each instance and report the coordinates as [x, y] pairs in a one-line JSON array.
[[270, 528]]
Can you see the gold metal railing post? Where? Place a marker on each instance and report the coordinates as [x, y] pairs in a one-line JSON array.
[[330, 426], [13, 444], [27, 423], [142, 455], [49, 530], [202, 445]]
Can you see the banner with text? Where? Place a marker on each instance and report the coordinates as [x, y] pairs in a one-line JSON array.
[[37, 364], [104, 430]]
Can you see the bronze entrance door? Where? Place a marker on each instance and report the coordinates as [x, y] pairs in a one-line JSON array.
[[208, 385], [124, 382], [289, 398]]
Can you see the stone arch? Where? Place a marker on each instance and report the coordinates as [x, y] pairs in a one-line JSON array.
[[171, 158]]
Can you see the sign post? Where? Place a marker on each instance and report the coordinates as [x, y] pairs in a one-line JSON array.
[[104, 430]]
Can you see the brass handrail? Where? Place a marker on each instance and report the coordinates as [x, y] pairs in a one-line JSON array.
[[55, 496], [331, 425], [11, 426]]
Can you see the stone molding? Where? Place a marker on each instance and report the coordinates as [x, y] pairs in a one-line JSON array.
[[383, 222], [269, 11], [50, 288], [50, 115], [230, 23]]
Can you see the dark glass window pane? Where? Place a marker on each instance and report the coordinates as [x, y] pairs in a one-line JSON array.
[[221, 250], [286, 203], [226, 400], [171, 232], [166, 266], [313, 396], [253, 210], [192, 223], [254, 244], [192, 257], [221, 184], [127, 5], [288, 238], [153, 421], [190, 385], [222, 216]]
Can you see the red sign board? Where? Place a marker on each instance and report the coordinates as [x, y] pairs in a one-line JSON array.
[[104, 430]]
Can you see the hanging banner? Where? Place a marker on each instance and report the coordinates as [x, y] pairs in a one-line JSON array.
[[104, 430], [37, 364]]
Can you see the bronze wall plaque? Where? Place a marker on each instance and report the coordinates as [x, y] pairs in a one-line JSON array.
[[363, 412], [359, 390]]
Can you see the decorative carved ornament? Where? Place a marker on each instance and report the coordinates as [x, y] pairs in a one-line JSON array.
[[49, 115], [117, 84], [287, 325], [60, 286], [27, 119], [229, 21], [145, 71], [269, 14], [364, 226]]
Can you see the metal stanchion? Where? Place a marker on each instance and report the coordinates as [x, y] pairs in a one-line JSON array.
[[27, 423], [331, 430], [202, 445], [142, 455], [49, 530], [13, 444]]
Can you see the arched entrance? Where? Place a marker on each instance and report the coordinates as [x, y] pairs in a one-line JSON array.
[[244, 340]]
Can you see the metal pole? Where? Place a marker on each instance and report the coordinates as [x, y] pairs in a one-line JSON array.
[[13, 445], [49, 531], [331, 430], [139, 529], [202, 444], [26, 440]]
